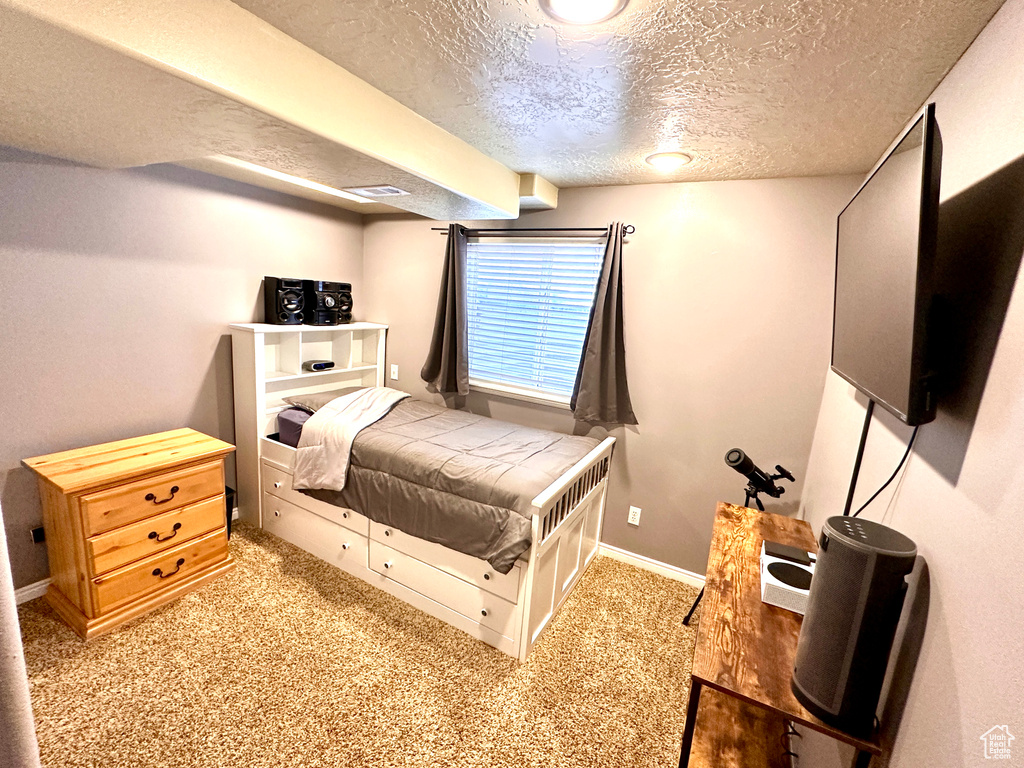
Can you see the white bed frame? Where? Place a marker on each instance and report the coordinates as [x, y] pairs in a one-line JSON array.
[[507, 611]]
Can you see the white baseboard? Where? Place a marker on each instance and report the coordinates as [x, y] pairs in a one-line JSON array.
[[655, 566], [31, 592]]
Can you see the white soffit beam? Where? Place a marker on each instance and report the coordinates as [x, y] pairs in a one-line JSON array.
[[537, 193], [220, 166], [121, 83]]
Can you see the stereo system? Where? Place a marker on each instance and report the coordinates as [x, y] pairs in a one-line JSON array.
[[288, 301], [327, 303], [283, 301], [852, 611]]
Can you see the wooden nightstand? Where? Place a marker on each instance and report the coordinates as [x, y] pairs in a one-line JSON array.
[[132, 525]]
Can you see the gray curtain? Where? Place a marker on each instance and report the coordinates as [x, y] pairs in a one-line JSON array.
[[17, 728], [601, 394], [447, 367]]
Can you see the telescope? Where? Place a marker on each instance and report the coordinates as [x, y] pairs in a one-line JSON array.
[[758, 481]]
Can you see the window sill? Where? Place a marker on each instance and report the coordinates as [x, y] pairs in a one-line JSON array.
[[520, 393]]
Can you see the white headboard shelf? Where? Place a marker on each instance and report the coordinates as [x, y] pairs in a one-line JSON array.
[[267, 365]]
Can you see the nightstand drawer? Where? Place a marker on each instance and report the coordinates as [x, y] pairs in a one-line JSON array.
[[150, 496], [162, 570], [148, 537]]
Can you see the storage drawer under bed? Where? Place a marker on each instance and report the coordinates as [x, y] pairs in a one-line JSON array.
[[466, 567], [279, 483], [340, 546], [489, 610]]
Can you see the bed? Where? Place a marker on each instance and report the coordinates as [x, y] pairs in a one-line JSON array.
[[483, 524], [508, 610]]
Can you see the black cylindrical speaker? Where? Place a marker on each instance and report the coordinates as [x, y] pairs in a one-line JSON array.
[[283, 301], [852, 611]]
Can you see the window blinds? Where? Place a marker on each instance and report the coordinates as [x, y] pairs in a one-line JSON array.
[[528, 306]]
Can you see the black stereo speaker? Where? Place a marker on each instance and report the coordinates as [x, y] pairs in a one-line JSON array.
[[852, 612], [327, 303], [283, 301]]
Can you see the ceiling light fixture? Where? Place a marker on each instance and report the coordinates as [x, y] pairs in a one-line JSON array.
[[582, 11], [666, 162], [289, 179]]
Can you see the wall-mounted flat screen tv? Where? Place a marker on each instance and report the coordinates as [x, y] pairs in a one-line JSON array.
[[885, 254]]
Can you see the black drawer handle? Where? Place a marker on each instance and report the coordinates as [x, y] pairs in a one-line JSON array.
[[174, 532], [151, 497], [162, 575]]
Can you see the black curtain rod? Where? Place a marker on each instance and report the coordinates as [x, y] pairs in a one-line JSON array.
[[628, 229]]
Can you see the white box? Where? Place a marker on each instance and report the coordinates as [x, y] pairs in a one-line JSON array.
[[781, 584]]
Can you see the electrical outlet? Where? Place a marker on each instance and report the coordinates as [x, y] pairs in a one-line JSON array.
[[634, 516], [394, 373], [38, 535]]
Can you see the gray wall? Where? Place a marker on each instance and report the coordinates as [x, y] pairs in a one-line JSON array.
[[116, 290], [960, 498], [728, 300]]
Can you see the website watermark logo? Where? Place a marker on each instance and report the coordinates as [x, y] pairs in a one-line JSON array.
[[997, 741]]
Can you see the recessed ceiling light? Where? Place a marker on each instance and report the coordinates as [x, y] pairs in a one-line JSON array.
[[582, 11], [666, 162]]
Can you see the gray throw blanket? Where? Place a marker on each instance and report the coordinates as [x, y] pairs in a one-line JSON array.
[[325, 445]]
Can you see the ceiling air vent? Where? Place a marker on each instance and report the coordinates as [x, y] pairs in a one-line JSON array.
[[384, 190]]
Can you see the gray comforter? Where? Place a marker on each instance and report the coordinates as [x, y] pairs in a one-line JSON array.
[[452, 477]]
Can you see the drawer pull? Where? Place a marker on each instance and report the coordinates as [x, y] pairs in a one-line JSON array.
[[174, 532], [487, 577], [151, 497], [387, 532], [387, 564], [483, 612], [345, 515], [346, 545], [162, 575], [277, 485]]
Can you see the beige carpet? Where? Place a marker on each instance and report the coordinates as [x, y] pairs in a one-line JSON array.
[[287, 661]]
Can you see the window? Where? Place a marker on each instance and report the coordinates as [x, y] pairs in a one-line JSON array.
[[529, 303]]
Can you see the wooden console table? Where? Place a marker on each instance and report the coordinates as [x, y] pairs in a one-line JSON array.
[[740, 695]]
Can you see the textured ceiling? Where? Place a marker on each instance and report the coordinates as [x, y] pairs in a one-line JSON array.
[[121, 83], [751, 88]]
